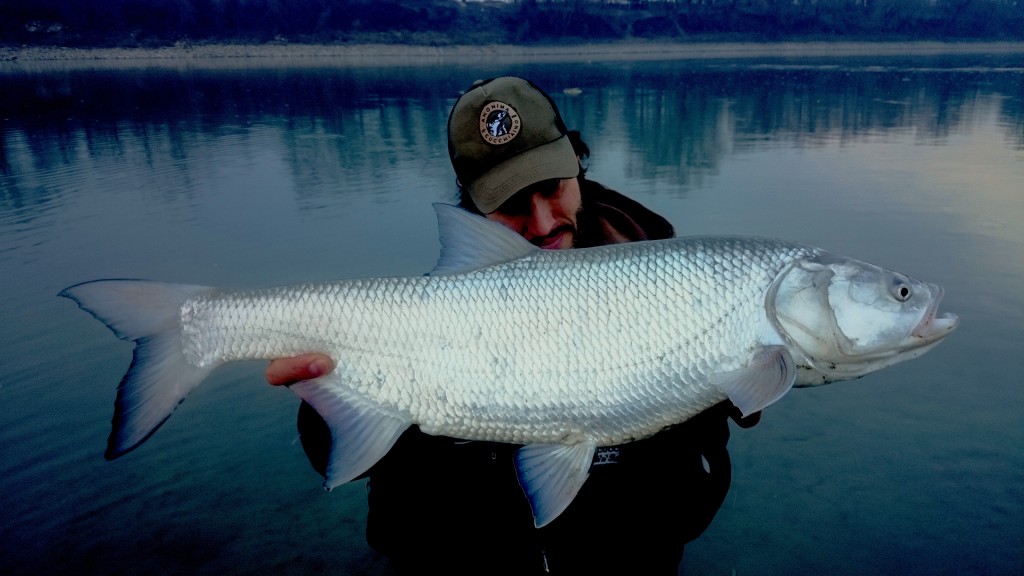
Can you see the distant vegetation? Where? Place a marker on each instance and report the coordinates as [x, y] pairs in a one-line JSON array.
[[441, 22]]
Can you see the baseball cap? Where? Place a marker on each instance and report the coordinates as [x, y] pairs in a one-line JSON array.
[[505, 134]]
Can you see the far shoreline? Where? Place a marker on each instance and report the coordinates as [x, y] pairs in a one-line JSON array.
[[411, 54]]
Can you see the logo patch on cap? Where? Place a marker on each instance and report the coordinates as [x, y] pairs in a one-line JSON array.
[[499, 123]]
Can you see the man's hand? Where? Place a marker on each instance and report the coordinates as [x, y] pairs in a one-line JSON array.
[[285, 371]]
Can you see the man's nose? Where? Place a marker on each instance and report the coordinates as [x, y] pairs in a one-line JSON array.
[[542, 219]]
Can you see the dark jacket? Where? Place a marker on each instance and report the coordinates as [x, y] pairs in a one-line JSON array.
[[443, 505]]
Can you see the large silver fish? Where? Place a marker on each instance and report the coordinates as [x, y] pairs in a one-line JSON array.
[[561, 351]]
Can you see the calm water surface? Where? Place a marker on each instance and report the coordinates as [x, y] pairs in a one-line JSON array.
[[280, 174]]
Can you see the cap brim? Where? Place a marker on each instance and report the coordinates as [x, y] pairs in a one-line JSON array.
[[556, 159]]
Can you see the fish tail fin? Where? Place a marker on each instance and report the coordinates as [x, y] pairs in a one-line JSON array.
[[160, 376]]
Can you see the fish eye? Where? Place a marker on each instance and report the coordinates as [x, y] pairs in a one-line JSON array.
[[901, 291]]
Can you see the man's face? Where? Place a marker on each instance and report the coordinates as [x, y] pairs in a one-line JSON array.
[[546, 213]]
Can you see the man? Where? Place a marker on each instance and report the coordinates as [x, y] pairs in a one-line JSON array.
[[456, 507]]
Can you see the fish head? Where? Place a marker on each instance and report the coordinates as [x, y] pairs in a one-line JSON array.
[[847, 318]]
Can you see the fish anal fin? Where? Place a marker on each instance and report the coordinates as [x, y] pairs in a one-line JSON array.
[[766, 377], [361, 432], [551, 475]]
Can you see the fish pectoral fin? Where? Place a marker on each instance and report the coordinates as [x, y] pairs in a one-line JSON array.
[[551, 475], [768, 375], [361, 432]]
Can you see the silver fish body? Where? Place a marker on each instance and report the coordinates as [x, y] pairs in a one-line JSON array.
[[610, 344], [561, 351]]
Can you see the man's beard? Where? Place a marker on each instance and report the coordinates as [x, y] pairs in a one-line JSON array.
[[543, 240]]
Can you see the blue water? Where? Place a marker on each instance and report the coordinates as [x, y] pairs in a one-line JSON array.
[[274, 173]]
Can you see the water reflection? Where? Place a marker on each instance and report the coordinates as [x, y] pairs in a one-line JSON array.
[[353, 126]]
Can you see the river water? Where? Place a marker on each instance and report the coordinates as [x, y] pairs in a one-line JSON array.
[[255, 173]]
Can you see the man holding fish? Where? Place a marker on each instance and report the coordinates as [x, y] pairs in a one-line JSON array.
[[438, 503], [523, 410]]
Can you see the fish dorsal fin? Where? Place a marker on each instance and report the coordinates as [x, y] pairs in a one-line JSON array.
[[768, 375], [469, 242], [361, 433], [551, 475]]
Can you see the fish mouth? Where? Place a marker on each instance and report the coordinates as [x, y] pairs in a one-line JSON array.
[[932, 326]]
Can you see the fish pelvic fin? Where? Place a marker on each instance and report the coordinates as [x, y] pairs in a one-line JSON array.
[[362, 432], [766, 378], [551, 475], [469, 242], [160, 376]]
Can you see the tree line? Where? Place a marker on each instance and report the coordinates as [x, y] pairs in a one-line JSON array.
[[441, 22]]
